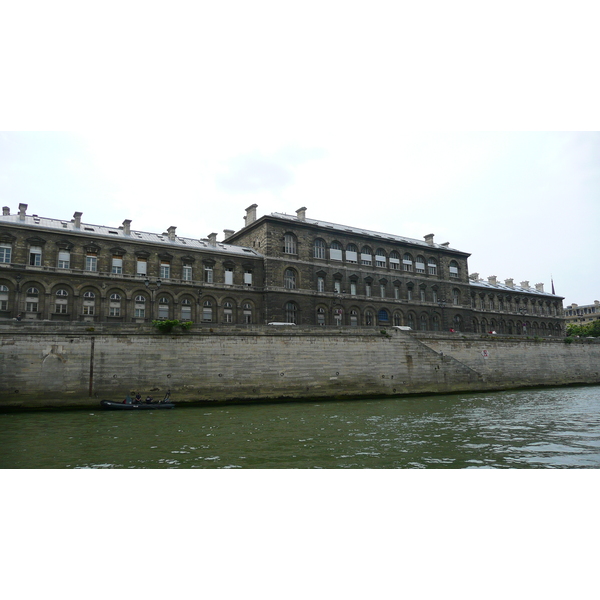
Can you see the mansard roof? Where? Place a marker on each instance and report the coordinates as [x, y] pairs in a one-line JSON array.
[[37, 224], [502, 287], [389, 237]]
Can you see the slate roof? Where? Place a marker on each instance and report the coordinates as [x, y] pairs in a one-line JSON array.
[[505, 288], [360, 231], [33, 222]]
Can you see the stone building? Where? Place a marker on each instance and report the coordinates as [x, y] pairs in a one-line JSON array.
[[69, 270], [581, 315], [277, 268]]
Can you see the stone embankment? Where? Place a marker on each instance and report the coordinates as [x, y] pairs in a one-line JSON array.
[[56, 364]]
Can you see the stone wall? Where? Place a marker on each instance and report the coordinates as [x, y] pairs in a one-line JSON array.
[[55, 364]]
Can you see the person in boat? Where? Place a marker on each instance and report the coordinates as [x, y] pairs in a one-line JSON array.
[[149, 399], [138, 398], [128, 400]]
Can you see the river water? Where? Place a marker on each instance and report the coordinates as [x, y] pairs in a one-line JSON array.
[[540, 428]]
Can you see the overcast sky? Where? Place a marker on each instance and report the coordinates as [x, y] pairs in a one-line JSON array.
[[373, 117]]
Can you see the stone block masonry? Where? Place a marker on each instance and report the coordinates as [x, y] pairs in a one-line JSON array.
[[56, 364]]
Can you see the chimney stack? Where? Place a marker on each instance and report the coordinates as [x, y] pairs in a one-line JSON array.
[[474, 276], [492, 280], [509, 283], [212, 239], [171, 233], [429, 239], [227, 233], [539, 287], [301, 213], [22, 209], [525, 284], [6, 211], [77, 219], [127, 226], [251, 214], [445, 244]]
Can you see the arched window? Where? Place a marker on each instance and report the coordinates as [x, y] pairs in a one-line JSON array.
[[410, 320], [320, 316], [366, 256], [186, 309], [407, 262], [394, 260], [228, 312], [319, 248], [247, 308], [353, 318], [397, 319], [420, 265], [289, 279], [139, 308], [89, 303], [432, 266], [207, 311], [455, 296], [383, 316], [335, 251], [457, 323], [423, 323], [62, 304], [289, 244], [380, 258], [114, 305], [291, 312], [453, 269], [435, 322], [163, 308], [32, 300], [368, 317], [352, 254], [3, 297]]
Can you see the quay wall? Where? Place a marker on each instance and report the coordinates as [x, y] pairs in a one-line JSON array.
[[56, 364]]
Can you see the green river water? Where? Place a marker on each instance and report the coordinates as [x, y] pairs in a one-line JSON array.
[[539, 428]]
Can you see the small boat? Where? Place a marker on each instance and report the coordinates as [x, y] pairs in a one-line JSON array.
[[130, 404]]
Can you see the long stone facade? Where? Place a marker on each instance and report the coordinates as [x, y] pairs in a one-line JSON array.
[[55, 364], [277, 268]]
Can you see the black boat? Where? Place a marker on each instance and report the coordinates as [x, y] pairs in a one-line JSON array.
[[130, 404]]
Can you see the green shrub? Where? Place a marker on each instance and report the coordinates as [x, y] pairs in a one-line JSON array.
[[166, 326]]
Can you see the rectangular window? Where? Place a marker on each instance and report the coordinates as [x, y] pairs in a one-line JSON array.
[[351, 257], [365, 259], [141, 268], [380, 261], [335, 254], [368, 290], [382, 290], [207, 314], [3, 304], [432, 268], [64, 259], [35, 256], [337, 286], [114, 311], [117, 265], [187, 273], [420, 267], [422, 295], [165, 269], [228, 276], [31, 306], [409, 294], [228, 315], [186, 313], [353, 288], [5, 253], [396, 293], [61, 308], [91, 262], [208, 274], [247, 277], [434, 296], [140, 313], [453, 271], [320, 284], [88, 310], [394, 263]]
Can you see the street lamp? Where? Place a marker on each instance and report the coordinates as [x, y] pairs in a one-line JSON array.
[[152, 287], [338, 312]]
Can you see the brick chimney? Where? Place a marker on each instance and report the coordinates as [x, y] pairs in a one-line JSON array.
[[429, 239], [171, 233], [22, 210], [6, 211], [251, 214], [509, 283], [492, 280], [539, 287], [127, 226], [228, 233], [77, 219], [301, 213], [212, 239]]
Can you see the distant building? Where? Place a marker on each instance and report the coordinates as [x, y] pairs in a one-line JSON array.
[[277, 268], [579, 315]]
